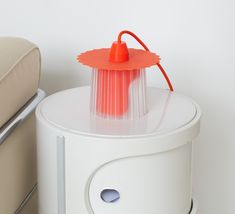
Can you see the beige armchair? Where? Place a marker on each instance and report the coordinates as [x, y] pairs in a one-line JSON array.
[[19, 96]]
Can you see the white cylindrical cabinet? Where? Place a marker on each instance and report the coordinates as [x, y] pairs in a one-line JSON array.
[[90, 165]]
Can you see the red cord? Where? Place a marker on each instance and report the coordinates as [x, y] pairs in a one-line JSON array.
[[166, 77], [146, 48], [133, 35]]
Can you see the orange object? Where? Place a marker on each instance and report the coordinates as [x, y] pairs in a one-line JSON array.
[[112, 90], [119, 52], [116, 69], [100, 59]]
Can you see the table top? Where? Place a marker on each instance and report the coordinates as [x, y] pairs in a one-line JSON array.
[[70, 110]]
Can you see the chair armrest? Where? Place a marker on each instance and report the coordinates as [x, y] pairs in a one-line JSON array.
[[21, 115]]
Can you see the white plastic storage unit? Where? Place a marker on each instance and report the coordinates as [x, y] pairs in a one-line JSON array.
[[87, 164]]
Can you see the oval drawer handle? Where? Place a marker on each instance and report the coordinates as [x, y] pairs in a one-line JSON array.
[[110, 195]]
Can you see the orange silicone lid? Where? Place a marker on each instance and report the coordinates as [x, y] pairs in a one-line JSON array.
[[99, 58]]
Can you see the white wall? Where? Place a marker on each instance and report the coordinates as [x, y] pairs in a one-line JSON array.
[[195, 39]]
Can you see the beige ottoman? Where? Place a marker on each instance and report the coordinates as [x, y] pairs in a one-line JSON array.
[[19, 95]]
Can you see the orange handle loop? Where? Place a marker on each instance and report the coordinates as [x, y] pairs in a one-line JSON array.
[[146, 48]]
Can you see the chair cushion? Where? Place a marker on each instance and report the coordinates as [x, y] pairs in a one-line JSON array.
[[19, 74], [18, 172]]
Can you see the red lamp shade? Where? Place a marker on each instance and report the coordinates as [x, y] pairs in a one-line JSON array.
[[119, 82]]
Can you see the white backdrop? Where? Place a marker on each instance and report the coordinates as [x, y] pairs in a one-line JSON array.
[[195, 39]]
